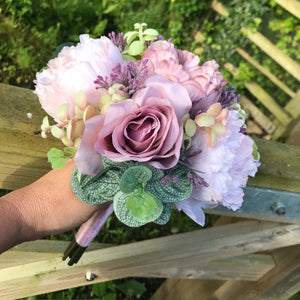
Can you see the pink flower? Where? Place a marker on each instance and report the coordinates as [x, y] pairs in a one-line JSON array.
[[225, 167], [203, 83], [146, 128], [73, 70]]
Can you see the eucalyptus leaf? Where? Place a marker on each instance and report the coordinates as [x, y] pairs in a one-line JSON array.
[[98, 189], [141, 204], [133, 176], [165, 215], [176, 188], [124, 215]]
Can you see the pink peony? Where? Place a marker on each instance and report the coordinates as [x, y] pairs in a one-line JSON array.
[[225, 167], [203, 83], [75, 69], [146, 128]]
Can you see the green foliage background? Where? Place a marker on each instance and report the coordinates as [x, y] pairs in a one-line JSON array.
[[30, 31]]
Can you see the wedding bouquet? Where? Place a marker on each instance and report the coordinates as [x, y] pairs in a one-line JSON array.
[[147, 127]]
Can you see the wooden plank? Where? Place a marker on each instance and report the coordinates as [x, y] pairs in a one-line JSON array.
[[280, 165], [294, 137], [23, 153], [268, 74], [181, 289], [148, 257], [39, 250], [219, 8], [293, 106], [186, 289], [292, 6], [274, 52], [258, 92], [258, 116], [280, 283]]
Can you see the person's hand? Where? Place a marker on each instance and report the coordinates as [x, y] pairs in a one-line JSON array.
[[47, 206]]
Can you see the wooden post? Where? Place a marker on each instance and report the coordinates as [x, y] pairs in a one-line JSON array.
[[292, 6]]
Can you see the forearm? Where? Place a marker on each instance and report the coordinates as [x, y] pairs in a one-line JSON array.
[[13, 228], [48, 206]]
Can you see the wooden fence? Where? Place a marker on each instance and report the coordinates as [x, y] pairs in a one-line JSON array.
[[283, 121]]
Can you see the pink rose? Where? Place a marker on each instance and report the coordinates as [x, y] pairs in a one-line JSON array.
[[146, 128], [203, 83]]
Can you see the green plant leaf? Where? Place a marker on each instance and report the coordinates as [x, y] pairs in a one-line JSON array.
[[97, 189], [132, 287], [56, 158], [165, 215], [141, 204], [124, 215], [176, 188], [136, 48], [134, 176]]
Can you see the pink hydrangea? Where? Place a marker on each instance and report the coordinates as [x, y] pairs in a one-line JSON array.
[[147, 128], [225, 167], [75, 69], [203, 83]]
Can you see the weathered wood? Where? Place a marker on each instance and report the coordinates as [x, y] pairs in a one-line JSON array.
[[186, 289], [280, 283], [280, 165], [267, 73], [23, 153], [146, 258], [258, 116], [274, 52], [294, 137], [293, 106], [258, 92], [292, 6]]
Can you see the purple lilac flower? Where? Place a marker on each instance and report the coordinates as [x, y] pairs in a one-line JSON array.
[[228, 96], [118, 40], [129, 75]]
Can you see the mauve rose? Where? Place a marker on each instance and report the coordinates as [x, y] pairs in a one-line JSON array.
[[147, 128], [203, 83]]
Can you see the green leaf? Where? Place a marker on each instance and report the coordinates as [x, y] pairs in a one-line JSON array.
[[130, 36], [124, 215], [110, 8], [134, 176], [165, 215], [56, 158], [70, 151], [132, 287], [97, 189], [99, 289], [177, 187], [110, 296], [136, 48], [141, 204]]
